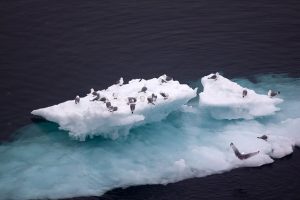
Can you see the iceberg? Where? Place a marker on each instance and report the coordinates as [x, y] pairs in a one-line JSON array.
[[225, 99], [153, 100], [41, 162]]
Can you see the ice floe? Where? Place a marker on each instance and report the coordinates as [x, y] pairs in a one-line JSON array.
[[111, 113], [226, 99]]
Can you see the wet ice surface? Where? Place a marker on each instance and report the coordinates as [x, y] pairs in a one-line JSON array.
[[43, 162]]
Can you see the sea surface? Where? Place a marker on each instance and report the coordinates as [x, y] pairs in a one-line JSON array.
[[53, 50]]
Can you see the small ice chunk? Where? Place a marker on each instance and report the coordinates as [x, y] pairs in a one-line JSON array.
[[226, 99]]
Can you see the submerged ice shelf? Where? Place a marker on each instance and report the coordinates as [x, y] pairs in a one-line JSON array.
[[224, 100], [43, 163], [89, 118]]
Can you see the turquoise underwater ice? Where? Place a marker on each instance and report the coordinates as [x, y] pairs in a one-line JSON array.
[[44, 162]]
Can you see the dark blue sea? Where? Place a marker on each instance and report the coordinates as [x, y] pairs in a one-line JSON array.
[[50, 51]]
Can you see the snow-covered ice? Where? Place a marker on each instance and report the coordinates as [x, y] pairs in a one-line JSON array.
[[224, 100], [89, 118], [188, 143]]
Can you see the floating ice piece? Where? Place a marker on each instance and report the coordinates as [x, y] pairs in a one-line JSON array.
[[89, 118], [224, 100]]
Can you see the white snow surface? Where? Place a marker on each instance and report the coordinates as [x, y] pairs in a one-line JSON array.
[[224, 100], [89, 118]]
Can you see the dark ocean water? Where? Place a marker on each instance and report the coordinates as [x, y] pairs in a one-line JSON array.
[[52, 50]]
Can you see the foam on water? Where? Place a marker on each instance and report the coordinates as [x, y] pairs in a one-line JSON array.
[[42, 162]]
